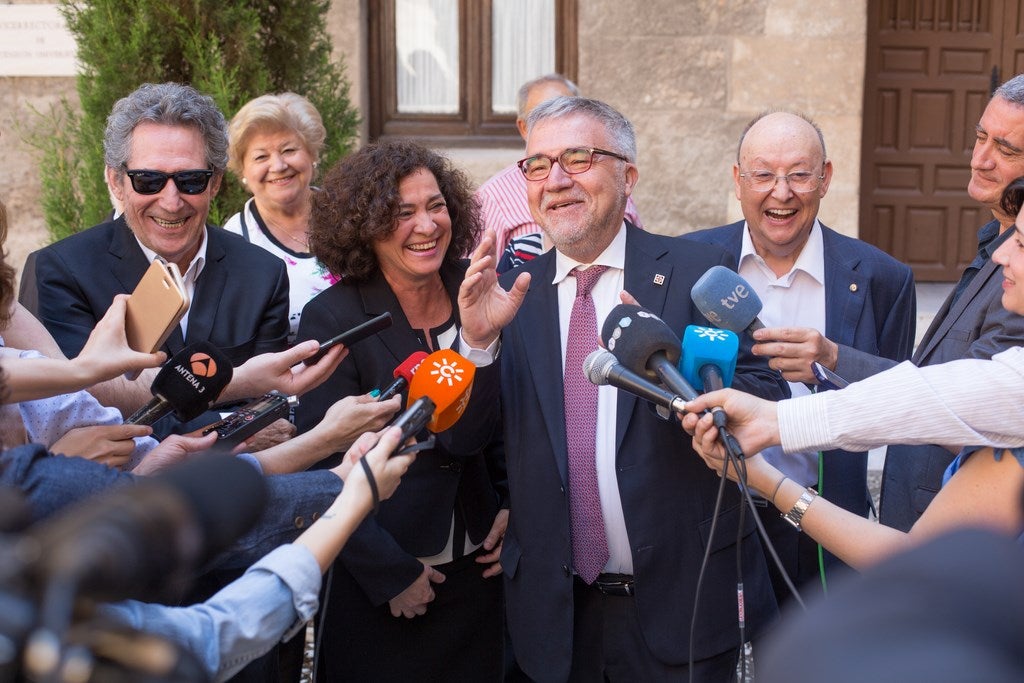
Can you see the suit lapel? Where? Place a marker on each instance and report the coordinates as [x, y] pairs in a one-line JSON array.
[[202, 312], [128, 267], [538, 325], [129, 263], [845, 292], [643, 271], [949, 313]]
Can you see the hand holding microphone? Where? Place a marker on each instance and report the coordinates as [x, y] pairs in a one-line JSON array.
[[187, 385], [438, 395], [644, 344]]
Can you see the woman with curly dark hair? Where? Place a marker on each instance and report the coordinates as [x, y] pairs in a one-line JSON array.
[[414, 596]]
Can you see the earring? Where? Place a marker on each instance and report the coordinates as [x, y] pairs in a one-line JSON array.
[[244, 181]]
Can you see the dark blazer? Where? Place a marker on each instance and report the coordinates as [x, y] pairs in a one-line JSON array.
[[976, 326], [416, 520], [668, 493], [240, 303], [870, 305]]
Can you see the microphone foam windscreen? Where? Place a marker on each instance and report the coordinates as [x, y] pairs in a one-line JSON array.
[[633, 334], [447, 379], [409, 366], [708, 345], [192, 379], [726, 299], [226, 496]]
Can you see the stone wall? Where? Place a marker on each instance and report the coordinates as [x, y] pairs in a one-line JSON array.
[[688, 73], [691, 74]]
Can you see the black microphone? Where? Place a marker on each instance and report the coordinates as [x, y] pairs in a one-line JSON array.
[[601, 367], [145, 541], [644, 344], [727, 300], [187, 385]]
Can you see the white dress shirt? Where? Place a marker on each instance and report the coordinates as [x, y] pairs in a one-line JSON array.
[[606, 297], [190, 275], [795, 299]]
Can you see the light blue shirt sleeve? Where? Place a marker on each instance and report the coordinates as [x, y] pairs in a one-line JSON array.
[[47, 419], [273, 599]]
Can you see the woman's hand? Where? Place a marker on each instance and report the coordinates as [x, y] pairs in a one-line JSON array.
[[484, 307], [111, 445], [106, 353], [351, 416]]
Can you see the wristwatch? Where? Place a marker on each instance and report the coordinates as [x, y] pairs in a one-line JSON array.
[[796, 513]]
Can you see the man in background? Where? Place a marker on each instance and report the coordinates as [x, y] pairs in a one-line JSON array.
[[820, 290]]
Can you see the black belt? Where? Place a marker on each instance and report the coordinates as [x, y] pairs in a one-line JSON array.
[[619, 585]]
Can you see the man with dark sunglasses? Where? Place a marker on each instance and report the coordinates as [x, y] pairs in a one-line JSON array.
[[165, 149]]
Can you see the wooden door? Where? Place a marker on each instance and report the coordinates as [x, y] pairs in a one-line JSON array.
[[931, 67]]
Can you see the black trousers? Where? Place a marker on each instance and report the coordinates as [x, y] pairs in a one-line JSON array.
[[609, 646], [460, 638]]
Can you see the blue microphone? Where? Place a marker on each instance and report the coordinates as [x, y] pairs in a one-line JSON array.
[[705, 348], [727, 300]]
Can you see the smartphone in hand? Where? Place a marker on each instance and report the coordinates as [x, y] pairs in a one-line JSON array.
[[826, 377], [350, 337]]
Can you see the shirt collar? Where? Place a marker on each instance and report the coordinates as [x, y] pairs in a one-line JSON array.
[[197, 263], [811, 259], [613, 256]]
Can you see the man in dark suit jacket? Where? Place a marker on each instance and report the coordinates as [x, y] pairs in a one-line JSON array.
[[165, 148], [631, 622], [972, 322], [864, 299]]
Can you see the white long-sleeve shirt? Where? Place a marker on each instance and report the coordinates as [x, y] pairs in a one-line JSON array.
[[969, 402]]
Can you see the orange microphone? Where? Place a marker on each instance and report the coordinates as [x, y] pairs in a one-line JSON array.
[[446, 378]]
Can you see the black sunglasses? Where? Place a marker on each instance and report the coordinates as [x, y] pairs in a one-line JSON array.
[[187, 182]]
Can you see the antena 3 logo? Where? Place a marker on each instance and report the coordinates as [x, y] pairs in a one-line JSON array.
[[447, 371], [201, 365]]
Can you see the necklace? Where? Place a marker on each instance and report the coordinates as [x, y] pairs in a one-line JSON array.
[[279, 228]]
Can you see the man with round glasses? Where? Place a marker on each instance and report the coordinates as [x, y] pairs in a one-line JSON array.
[[608, 518], [503, 204], [822, 291], [165, 148]]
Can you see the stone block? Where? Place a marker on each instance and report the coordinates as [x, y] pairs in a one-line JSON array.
[[666, 74], [606, 18], [812, 19]]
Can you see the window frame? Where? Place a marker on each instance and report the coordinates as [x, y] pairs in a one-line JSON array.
[[475, 124]]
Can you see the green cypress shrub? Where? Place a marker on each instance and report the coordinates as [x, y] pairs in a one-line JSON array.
[[232, 50]]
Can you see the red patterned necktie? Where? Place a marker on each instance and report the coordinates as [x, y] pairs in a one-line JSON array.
[[589, 543]]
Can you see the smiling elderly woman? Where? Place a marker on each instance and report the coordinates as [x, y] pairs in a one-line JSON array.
[[414, 596]]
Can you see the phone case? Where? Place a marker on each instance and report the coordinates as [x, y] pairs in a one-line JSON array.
[[155, 307]]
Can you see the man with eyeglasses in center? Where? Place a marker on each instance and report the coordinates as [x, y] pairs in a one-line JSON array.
[[609, 517], [822, 293], [165, 149]]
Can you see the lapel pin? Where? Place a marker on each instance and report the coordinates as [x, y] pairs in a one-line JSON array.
[[659, 279]]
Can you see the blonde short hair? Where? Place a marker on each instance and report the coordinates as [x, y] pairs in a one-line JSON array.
[[286, 111]]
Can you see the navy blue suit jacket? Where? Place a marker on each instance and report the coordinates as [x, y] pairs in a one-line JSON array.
[[870, 305], [240, 303], [667, 492]]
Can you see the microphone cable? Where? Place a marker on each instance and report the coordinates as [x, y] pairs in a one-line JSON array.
[[735, 459]]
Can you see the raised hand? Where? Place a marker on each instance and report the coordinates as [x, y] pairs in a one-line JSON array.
[[484, 306]]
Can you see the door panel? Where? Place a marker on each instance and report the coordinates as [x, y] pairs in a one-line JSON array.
[[928, 77]]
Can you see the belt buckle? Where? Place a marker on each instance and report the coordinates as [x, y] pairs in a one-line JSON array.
[[615, 587]]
